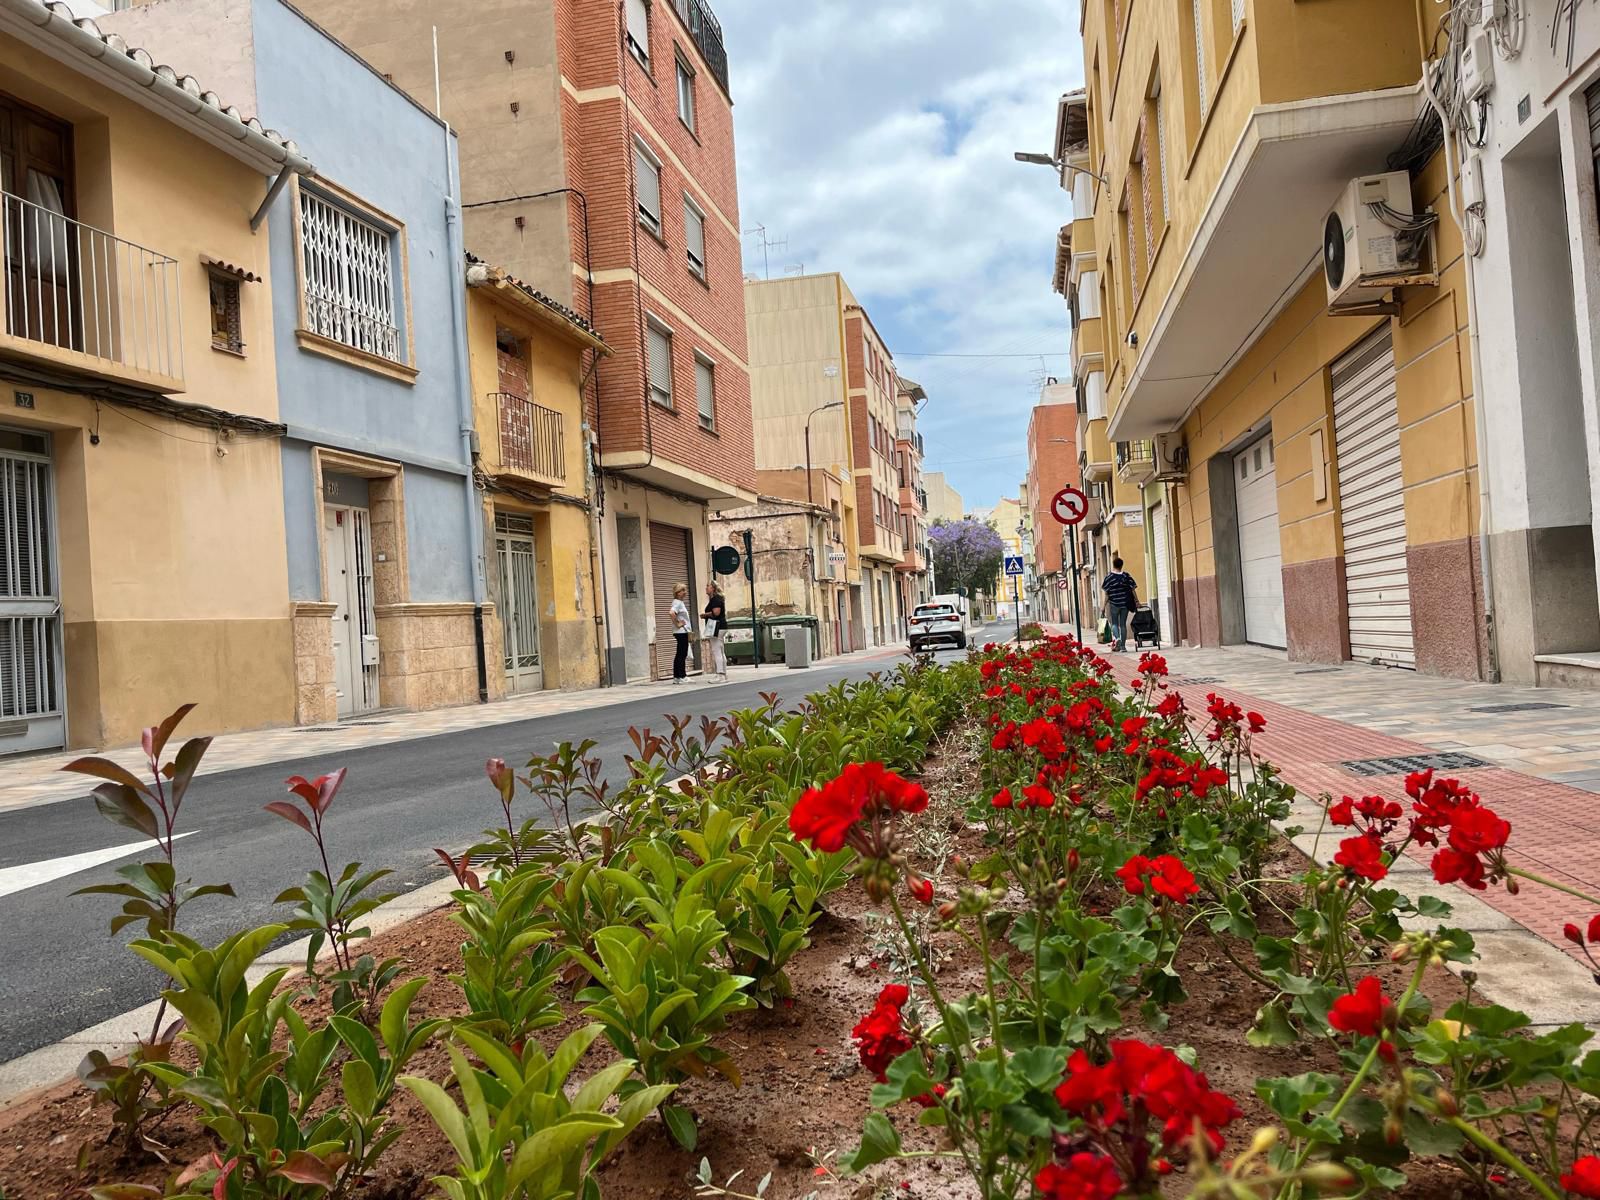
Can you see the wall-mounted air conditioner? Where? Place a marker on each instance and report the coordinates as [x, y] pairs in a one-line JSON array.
[[1172, 458], [1372, 235]]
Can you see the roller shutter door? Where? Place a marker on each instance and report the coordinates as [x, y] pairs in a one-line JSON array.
[[669, 566], [1255, 482], [1372, 510]]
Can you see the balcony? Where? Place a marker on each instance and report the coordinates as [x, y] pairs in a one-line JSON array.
[[88, 303], [532, 440], [706, 31], [1087, 341], [1097, 454], [1136, 461]]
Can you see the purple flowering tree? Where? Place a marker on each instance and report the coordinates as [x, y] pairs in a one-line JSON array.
[[966, 554]]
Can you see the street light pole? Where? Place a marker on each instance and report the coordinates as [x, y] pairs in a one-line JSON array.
[[810, 499]]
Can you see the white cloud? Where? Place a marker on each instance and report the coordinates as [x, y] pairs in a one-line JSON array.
[[876, 136]]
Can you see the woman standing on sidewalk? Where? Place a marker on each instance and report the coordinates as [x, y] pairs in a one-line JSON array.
[[680, 631], [714, 624]]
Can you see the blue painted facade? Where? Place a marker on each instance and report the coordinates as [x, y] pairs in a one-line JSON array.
[[371, 141]]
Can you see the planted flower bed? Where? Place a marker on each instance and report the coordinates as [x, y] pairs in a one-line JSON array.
[[1004, 929]]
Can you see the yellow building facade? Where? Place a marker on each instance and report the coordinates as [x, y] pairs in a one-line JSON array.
[[530, 360], [1303, 468], [138, 402]]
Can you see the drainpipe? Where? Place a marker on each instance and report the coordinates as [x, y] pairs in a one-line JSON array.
[[457, 256]]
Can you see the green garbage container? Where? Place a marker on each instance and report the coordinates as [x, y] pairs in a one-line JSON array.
[[737, 642]]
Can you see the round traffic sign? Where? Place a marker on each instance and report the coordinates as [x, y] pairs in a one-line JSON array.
[[725, 560], [1063, 584], [1069, 505]]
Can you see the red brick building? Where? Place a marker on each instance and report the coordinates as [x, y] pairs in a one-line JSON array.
[[1052, 465], [912, 570], [597, 164]]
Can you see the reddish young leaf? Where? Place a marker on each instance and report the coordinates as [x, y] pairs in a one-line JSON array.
[[318, 792], [304, 1167], [155, 738], [104, 768], [121, 805], [289, 812]]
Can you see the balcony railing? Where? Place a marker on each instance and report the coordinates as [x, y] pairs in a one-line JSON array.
[[78, 289], [707, 34], [532, 439], [1136, 460]]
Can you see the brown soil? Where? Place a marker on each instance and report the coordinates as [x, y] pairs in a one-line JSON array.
[[803, 1097]]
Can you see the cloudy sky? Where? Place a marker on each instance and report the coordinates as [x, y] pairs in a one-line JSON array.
[[875, 136]]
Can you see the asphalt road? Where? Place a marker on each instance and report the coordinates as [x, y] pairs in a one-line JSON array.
[[61, 972]]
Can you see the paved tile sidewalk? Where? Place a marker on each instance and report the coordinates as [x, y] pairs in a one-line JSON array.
[[38, 779], [1543, 769]]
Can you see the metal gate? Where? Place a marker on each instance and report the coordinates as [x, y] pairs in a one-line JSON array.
[[1164, 605], [519, 602], [1255, 482], [1372, 509], [669, 566], [31, 708]]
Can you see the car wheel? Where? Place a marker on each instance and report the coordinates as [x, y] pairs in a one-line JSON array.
[[961, 641]]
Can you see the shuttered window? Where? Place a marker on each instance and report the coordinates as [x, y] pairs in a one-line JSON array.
[[1161, 152], [1238, 14], [639, 29], [647, 187], [685, 95], [1200, 52], [658, 364], [1592, 98], [705, 386], [694, 236], [349, 282]]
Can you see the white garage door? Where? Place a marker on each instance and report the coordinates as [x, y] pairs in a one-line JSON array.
[[1165, 607], [1260, 554], [1372, 509]]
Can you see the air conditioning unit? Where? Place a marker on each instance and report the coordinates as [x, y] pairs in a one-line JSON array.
[[1369, 235], [1172, 458]]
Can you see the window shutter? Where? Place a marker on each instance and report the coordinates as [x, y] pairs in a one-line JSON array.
[[1200, 53], [1161, 155], [647, 181], [639, 25], [1238, 14], [705, 387], [694, 227], [659, 365]]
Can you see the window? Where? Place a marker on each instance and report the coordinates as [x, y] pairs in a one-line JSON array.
[[1199, 64], [705, 387], [1157, 117], [694, 237], [686, 95], [658, 363], [1238, 14], [638, 30], [227, 332], [647, 187], [350, 277]]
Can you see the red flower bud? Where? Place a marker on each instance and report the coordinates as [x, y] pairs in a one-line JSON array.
[[1572, 933], [1073, 861], [921, 889]]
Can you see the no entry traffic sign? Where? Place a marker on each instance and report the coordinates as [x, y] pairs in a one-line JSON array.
[[1069, 506]]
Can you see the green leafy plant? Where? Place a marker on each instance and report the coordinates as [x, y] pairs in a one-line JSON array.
[[510, 964]]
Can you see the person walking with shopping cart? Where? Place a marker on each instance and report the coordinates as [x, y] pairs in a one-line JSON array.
[[1122, 597]]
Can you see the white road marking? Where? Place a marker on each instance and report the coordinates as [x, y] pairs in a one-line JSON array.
[[16, 879]]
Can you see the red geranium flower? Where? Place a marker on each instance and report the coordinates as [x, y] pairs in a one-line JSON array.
[[827, 816], [1002, 798], [1084, 1176], [1165, 875], [930, 1099], [1143, 1086], [880, 1036], [1478, 831], [1452, 866], [1363, 1012], [1594, 928], [1038, 796], [1584, 1178], [1362, 856], [921, 889], [1256, 720]]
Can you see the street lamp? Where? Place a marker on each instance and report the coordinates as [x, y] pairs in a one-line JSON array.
[[810, 499], [1061, 168]]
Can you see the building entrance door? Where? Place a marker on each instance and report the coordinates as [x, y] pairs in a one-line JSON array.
[[347, 545], [32, 708], [519, 602]]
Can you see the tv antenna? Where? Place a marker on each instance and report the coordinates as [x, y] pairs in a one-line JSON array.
[[768, 245]]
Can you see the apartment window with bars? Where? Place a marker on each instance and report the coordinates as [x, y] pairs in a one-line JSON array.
[[227, 328], [350, 278], [658, 363], [705, 387]]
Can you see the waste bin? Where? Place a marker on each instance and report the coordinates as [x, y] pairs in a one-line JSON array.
[[803, 622], [737, 643], [796, 646]]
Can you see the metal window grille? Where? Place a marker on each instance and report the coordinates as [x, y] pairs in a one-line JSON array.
[[29, 649], [366, 610], [705, 383], [659, 365], [349, 278], [227, 331]]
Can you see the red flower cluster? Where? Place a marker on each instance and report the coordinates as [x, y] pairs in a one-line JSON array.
[[1173, 773], [1084, 1176], [1365, 1012], [1362, 856], [1373, 809], [1474, 851], [1576, 935], [1117, 1100], [931, 1099], [829, 817], [1165, 875], [880, 1036], [1584, 1178]]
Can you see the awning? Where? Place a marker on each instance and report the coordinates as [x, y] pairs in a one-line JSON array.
[[222, 267]]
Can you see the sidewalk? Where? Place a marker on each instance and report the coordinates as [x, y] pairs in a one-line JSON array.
[[38, 779], [1533, 754]]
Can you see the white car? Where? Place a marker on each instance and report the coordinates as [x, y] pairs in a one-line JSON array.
[[932, 623]]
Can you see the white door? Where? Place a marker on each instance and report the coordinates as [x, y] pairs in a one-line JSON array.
[[1372, 509], [347, 546], [1255, 484], [519, 602], [1164, 602], [32, 712]]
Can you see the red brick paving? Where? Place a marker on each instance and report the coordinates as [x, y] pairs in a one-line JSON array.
[[1555, 830]]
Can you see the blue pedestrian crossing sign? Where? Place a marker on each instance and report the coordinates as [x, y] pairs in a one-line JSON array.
[[1013, 564]]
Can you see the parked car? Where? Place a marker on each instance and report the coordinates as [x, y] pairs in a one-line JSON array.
[[937, 622]]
